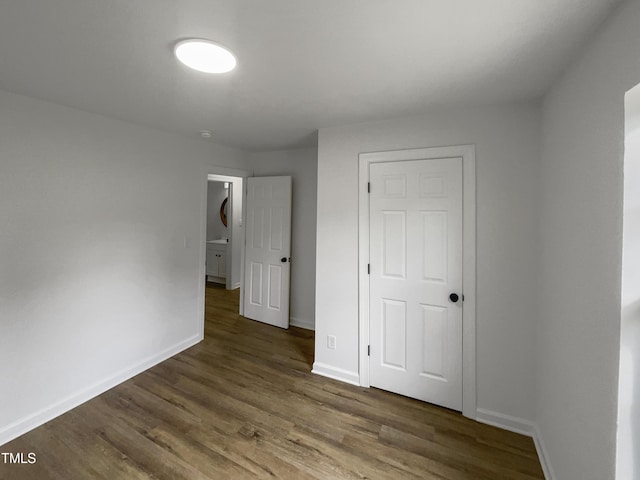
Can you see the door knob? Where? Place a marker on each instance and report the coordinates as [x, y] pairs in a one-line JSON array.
[[454, 297], [283, 259]]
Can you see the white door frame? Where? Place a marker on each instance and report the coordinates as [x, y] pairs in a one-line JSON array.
[[231, 172], [467, 153]]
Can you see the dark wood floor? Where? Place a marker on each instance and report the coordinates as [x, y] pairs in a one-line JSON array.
[[243, 404]]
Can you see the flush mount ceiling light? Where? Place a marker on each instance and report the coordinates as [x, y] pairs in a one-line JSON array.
[[205, 56]]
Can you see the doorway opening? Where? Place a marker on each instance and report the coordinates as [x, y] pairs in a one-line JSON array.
[[234, 249], [224, 230], [255, 260]]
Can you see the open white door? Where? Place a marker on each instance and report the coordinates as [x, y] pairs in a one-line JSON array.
[[267, 266]]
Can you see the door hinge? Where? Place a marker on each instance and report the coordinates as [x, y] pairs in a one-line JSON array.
[[368, 269], [368, 350], [368, 187]]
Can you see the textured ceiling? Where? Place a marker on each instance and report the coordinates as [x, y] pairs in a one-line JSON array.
[[303, 64]]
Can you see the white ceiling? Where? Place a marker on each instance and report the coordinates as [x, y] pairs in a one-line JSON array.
[[303, 64]]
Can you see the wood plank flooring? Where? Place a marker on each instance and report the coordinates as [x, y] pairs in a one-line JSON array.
[[243, 404]]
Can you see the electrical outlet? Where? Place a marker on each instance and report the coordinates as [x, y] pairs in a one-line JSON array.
[[331, 342]]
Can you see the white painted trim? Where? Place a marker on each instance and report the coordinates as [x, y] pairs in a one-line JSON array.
[[302, 323], [523, 427], [363, 274], [226, 171], [467, 153], [469, 280], [219, 280], [506, 422], [543, 454], [336, 373], [70, 402], [488, 417]]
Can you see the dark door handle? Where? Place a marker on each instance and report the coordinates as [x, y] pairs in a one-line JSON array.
[[283, 259], [454, 297]]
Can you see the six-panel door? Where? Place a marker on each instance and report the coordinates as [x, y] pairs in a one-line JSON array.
[[268, 250], [416, 263]]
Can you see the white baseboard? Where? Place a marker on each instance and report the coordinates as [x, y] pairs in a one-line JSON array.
[[236, 285], [302, 323], [543, 454], [506, 422], [336, 373], [524, 427], [29, 422]]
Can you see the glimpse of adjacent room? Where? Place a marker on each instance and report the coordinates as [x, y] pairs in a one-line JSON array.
[[224, 224]]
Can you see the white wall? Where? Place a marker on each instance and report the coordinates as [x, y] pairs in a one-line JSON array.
[[628, 453], [507, 140], [100, 223], [216, 193], [581, 241], [301, 165]]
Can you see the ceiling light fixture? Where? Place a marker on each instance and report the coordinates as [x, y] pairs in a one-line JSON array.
[[205, 56], [206, 133]]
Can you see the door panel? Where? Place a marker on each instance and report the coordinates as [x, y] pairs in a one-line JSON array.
[[394, 244], [275, 282], [434, 246], [255, 284], [434, 340], [268, 242], [416, 262], [394, 334]]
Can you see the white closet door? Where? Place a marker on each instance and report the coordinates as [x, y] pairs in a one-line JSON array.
[[416, 274]]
